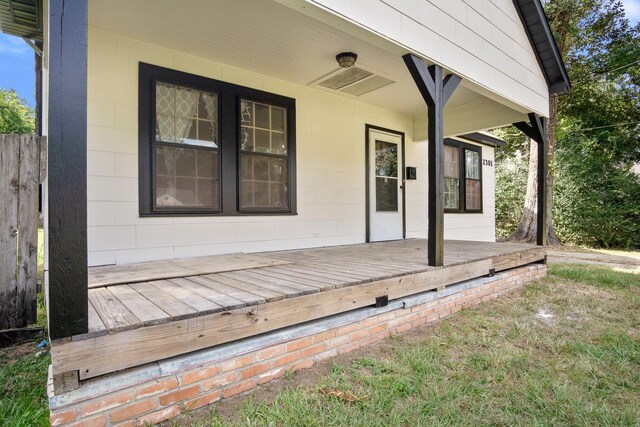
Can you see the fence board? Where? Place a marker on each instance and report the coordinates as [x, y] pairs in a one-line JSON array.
[[9, 178], [28, 229], [20, 172]]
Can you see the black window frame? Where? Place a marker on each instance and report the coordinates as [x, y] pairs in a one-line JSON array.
[[462, 196], [229, 97]]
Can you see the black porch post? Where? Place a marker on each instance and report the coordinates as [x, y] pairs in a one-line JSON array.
[[537, 130], [436, 92], [67, 176]]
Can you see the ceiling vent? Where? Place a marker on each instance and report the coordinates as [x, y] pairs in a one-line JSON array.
[[354, 81]]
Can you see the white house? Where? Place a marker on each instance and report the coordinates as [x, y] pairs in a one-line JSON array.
[[180, 130]]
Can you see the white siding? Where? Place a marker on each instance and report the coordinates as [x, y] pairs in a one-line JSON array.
[[330, 159], [481, 40]]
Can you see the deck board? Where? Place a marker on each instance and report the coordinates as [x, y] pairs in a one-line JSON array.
[[268, 277]]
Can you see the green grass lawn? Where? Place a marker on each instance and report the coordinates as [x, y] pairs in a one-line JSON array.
[[564, 351]]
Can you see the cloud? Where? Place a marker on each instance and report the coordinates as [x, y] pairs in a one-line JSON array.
[[632, 9], [14, 46]]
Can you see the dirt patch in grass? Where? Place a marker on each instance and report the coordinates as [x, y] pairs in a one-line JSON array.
[[501, 363]]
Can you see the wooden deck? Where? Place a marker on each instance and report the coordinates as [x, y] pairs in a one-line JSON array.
[[146, 312]]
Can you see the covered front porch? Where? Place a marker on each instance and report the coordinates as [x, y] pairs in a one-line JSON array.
[[152, 311]]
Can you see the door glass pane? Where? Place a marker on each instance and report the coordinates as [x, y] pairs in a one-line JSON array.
[[386, 194], [386, 159]]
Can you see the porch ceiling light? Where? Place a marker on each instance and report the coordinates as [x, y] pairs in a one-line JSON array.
[[346, 59]]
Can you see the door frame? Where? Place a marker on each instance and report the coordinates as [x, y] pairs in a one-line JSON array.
[[367, 128]]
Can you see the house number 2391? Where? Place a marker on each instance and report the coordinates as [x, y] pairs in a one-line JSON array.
[[486, 162]]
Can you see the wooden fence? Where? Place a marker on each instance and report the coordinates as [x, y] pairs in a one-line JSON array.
[[23, 166]]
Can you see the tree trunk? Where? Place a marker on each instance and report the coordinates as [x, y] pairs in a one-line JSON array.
[[527, 227]]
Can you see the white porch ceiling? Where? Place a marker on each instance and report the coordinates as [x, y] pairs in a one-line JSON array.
[[268, 38]]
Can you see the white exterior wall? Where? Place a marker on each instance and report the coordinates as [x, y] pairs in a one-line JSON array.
[[483, 41], [330, 168]]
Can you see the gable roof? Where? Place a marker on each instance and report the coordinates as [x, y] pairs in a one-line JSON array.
[[544, 45]]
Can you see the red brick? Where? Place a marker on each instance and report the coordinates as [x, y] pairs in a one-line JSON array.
[[179, 395], [239, 388], [310, 351], [403, 328], [220, 381], [157, 387], [130, 411], [203, 400], [302, 364], [62, 417], [286, 359], [199, 375], [238, 362], [129, 423], [253, 370], [159, 416], [99, 421], [271, 352], [271, 375], [378, 328], [348, 348], [337, 341], [347, 329], [323, 336], [104, 403], [298, 344]]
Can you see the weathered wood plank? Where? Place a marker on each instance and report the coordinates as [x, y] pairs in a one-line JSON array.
[[512, 260], [289, 292], [236, 294], [27, 285], [146, 311], [9, 185], [198, 303], [100, 355], [170, 269], [168, 303], [224, 301], [241, 285], [115, 316]]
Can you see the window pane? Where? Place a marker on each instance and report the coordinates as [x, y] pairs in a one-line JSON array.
[[263, 182], [264, 179], [386, 159], [262, 128], [386, 194], [262, 116], [451, 193], [472, 164], [451, 162], [473, 196], [186, 177], [186, 116]]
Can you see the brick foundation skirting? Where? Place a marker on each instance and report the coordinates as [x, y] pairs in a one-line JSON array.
[[159, 394]]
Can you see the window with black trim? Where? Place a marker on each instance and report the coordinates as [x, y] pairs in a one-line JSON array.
[[213, 148], [462, 177]]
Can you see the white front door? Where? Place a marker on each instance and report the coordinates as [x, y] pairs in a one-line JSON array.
[[385, 186]]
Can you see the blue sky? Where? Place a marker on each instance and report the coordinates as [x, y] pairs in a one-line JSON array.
[[16, 67], [16, 59]]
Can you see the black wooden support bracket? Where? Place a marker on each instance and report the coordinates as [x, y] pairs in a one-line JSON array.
[[435, 91], [382, 301], [537, 131], [492, 272]]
